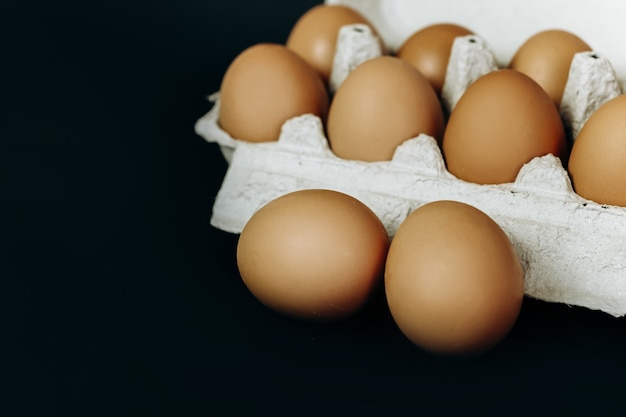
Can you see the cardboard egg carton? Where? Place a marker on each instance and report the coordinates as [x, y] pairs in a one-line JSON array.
[[573, 250]]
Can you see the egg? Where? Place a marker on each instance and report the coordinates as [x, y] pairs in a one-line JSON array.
[[597, 163], [502, 121], [546, 57], [382, 103], [314, 36], [428, 50], [453, 281], [263, 87], [313, 254]]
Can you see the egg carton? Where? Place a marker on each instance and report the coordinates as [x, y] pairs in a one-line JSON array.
[[506, 24], [573, 250]]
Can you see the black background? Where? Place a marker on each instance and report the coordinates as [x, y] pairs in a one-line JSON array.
[[117, 297]]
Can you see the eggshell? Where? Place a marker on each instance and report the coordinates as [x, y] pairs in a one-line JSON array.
[[597, 164], [263, 87], [546, 57], [453, 281], [502, 121], [428, 50], [314, 36], [381, 104], [313, 254]]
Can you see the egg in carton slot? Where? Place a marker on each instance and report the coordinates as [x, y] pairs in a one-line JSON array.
[[573, 250]]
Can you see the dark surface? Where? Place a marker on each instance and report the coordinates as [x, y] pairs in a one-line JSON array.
[[117, 297]]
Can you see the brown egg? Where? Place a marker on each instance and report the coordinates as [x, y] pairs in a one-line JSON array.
[[313, 254], [263, 87], [315, 34], [429, 49], [597, 164], [546, 57], [453, 281], [380, 104], [502, 121]]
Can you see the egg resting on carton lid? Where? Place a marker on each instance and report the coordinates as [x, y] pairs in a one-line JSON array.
[[573, 250]]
